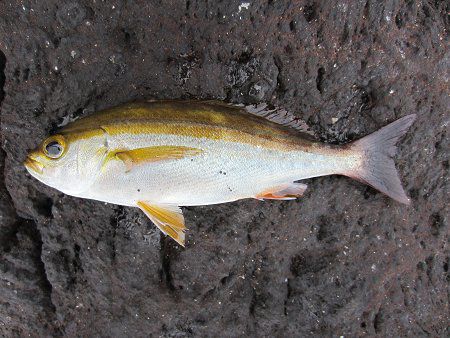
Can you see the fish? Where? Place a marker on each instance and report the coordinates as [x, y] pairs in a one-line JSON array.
[[161, 155]]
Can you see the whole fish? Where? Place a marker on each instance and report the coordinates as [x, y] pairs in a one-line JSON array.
[[160, 155]]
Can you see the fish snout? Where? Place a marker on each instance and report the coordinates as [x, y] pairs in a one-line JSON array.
[[32, 164]]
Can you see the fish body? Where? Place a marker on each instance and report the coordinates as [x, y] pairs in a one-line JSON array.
[[164, 154]]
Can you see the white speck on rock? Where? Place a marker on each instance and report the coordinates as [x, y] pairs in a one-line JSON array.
[[244, 5]]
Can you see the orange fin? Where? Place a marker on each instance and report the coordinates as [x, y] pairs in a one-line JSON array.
[[288, 191], [139, 156], [168, 218]]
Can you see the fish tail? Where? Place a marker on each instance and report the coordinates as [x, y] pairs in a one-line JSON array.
[[377, 168]]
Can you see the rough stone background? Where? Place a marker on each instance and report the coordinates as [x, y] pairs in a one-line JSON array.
[[343, 260]]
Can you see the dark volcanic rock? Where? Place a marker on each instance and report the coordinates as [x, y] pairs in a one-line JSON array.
[[343, 260]]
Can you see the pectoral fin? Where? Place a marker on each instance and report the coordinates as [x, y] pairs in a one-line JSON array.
[[140, 156], [168, 218], [288, 191]]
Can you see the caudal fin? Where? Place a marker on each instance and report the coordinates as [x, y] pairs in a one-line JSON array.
[[378, 167]]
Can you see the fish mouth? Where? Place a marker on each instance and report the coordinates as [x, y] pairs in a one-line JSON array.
[[33, 165]]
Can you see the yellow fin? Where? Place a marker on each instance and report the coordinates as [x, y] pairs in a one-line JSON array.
[[139, 156], [288, 191], [168, 218]]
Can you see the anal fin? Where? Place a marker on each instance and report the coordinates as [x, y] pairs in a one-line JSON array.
[[168, 218], [289, 191]]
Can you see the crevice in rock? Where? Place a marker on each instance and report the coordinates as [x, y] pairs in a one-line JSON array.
[[12, 241], [378, 322], [47, 287], [43, 205], [310, 12], [436, 224], [288, 296], [119, 216], [280, 89], [251, 308], [2, 76], [319, 79], [6, 196], [166, 258]]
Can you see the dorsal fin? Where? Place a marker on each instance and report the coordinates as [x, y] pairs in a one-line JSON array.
[[271, 113], [280, 116]]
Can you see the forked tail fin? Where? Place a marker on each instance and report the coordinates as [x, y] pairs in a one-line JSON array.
[[378, 167]]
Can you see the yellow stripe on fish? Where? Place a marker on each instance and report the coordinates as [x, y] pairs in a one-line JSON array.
[[191, 119]]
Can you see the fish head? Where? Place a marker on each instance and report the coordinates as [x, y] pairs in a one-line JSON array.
[[67, 163]]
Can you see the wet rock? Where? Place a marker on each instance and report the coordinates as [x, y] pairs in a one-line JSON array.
[[70, 14], [343, 260]]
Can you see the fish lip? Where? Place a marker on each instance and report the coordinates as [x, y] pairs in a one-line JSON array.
[[33, 165]]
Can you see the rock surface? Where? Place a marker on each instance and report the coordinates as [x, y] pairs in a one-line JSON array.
[[343, 260]]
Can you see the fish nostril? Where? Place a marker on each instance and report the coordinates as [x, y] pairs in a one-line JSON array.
[[27, 159]]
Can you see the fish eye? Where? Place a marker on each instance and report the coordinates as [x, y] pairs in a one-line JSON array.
[[54, 148]]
